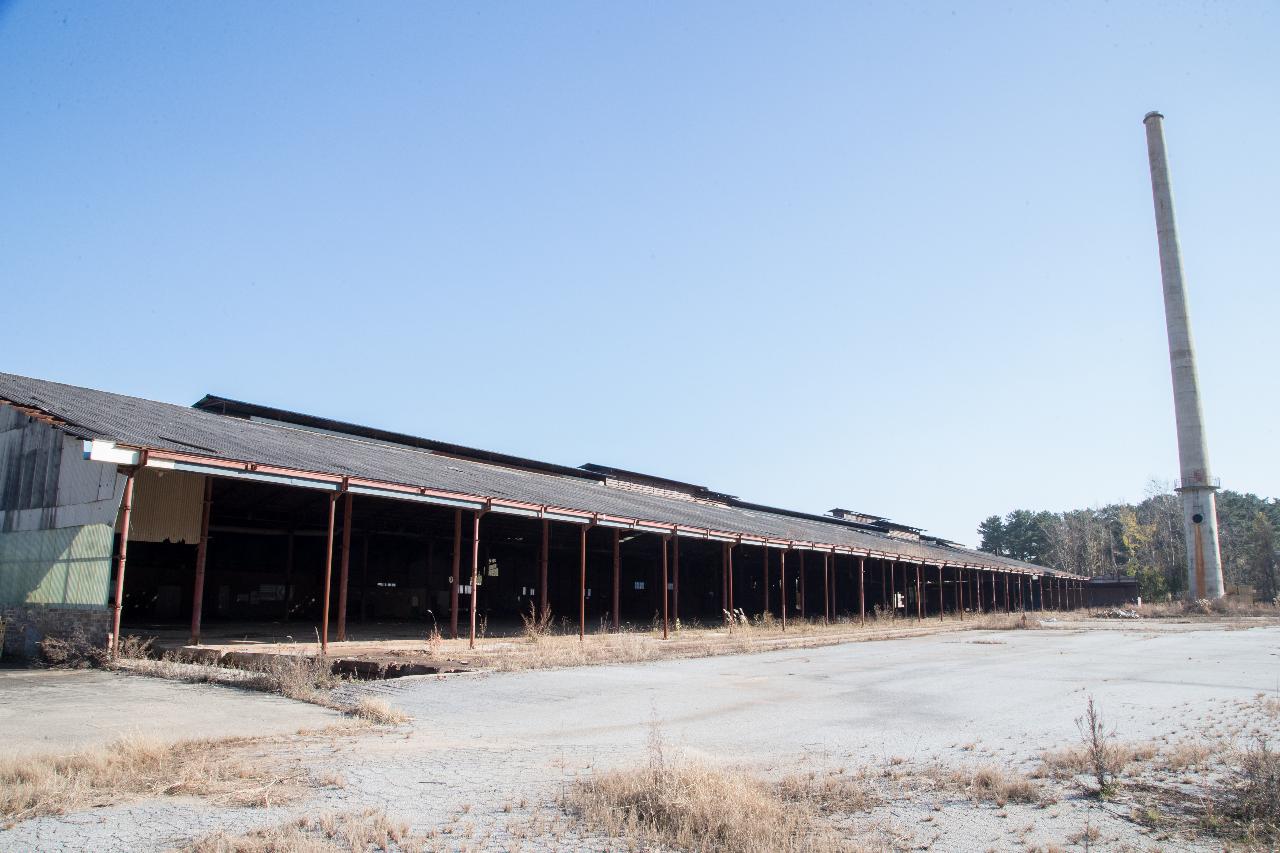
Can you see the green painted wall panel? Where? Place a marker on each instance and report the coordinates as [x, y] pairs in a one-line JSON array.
[[66, 565]]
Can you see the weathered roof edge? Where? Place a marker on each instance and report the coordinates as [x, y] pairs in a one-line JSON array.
[[963, 556]]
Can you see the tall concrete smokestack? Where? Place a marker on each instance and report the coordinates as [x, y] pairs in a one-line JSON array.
[[1197, 487]]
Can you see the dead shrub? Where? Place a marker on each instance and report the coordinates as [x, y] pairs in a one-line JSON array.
[[344, 832], [1003, 622], [692, 806], [73, 651], [537, 623], [130, 767], [307, 678], [378, 711], [76, 651], [1186, 754], [832, 793], [990, 784], [1079, 760], [1254, 795], [1101, 757]]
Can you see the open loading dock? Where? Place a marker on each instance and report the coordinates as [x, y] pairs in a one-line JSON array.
[[117, 510]]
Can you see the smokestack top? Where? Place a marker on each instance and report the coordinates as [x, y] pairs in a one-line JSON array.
[[1153, 114]]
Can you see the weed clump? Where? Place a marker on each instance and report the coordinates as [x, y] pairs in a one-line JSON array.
[[1254, 795], [378, 711], [131, 766], [1101, 757], [991, 784], [692, 806], [329, 832]]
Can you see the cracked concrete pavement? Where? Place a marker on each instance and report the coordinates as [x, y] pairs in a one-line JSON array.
[[487, 754]]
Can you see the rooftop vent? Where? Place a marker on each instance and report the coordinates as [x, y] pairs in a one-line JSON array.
[[858, 517]]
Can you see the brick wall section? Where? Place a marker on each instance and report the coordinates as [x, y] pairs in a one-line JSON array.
[[27, 625]]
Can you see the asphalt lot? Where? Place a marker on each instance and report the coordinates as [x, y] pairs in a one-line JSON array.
[[488, 750], [49, 709]]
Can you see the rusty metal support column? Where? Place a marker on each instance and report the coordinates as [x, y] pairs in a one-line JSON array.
[[730, 553], [724, 581], [919, 594], [126, 517], [782, 588], [765, 555], [202, 554], [544, 604], [675, 580], [664, 587], [862, 591], [893, 589], [826, 588], [884, 588], [835, 588], [617, 577], [475, 575], [800, 556], [455, 579], [344, 566], [328, 576], [582, 584], [942, 588]]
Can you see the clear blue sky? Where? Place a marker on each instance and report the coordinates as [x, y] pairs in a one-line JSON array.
[[894, 257]]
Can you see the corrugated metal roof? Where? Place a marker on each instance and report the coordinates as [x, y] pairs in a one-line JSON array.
[[136, 422]]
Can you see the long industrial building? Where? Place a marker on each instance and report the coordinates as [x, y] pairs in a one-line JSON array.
[[117, 510]]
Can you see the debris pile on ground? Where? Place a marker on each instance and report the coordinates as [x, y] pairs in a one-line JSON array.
[[1119, 613]]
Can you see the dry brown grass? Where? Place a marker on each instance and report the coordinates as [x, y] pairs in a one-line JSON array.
[[831, 793], [1186, 755], [545, 647], [377, 711], [76, 651], [1005, 621], [1228, 606], [135, 767], [1077, 760], [302, 677], [694, 806], [990, 784], [1252, 798], [343, 832]]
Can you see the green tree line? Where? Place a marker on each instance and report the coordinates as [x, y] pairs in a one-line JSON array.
[[1144, 541]]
